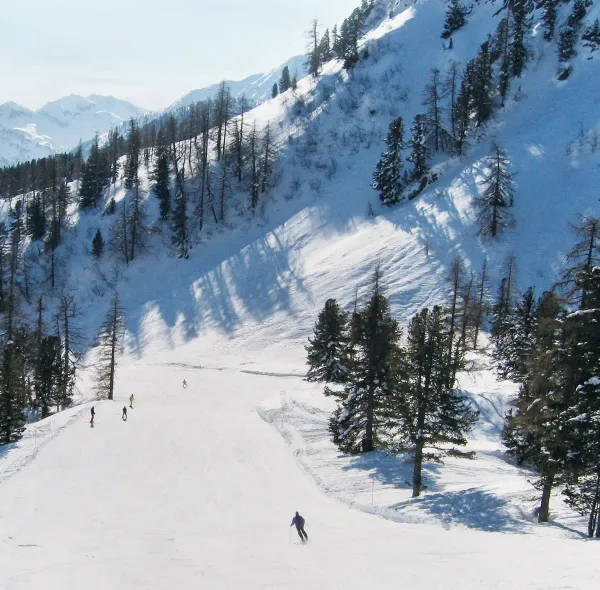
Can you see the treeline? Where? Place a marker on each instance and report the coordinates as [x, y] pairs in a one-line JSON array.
[[549, 345], [395, 393]]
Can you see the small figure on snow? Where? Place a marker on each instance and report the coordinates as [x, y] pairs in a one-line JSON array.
[[93, 412], [124, 416], [299, 522], [184, 384], [131, 400]]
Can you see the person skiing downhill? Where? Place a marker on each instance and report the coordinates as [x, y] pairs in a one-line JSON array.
[[131, 400], [299, 522], [93, 414], [184, 384], [124, 416]]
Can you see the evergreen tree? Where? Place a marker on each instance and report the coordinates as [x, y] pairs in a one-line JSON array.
[[498, 195], [419, 152], [432, 98], [314, 56], [463, 109], [274, 91], [110, 344], [36, 218], [481, 304], [538, 430], [47, 374], [95, 177], [366, 411], [325, 47], [502, 314], [520, 24], [132, 162], [180, 238], [285, 81], [520, 337], [482, 86], [387, 178], [549, 19], [98, 244], [456, 17], [327, 349], [433, 412], [12, 397], [160, 177], [566, 43]]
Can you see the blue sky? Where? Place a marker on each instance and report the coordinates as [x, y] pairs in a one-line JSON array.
[[150, 52]]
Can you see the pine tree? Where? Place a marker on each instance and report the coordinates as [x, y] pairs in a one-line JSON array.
[[326, 351], [432, 98], [498, 195], [419, 152], [160, 177], [325, 47], [110, 344], [520, 341], [481, 305], [12, 398], [132, 162], [463, 109], [274, 91], [314, 56], [95, 177], [502, 314], [366, 409], [285, 82], [520, 24], [387, 178], [538, 429], [549, 19], [433, 413], [98, 244], [47, 374], [180, 238], [456, 17], [482, 86], [36, 218]]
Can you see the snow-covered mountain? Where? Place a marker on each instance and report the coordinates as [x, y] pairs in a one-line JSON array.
[[58, 126], [199, 484], [256, 88]]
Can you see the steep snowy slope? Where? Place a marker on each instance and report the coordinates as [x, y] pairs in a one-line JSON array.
[[58, 126], [196, 487]]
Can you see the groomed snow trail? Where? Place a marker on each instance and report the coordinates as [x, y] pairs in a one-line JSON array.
[[196, 491]]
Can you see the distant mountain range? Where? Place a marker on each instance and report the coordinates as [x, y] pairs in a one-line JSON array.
[[59, 125]]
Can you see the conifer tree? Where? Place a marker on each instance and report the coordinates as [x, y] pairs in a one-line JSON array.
[[314, 56], [12, 395], [366, 409], [549, 19], [98, 244], [95, 177], [325, 47], [482, 85], [456, 17], [387, 178], [326, 351], [502, 313], [433, 413], [520, 24], [285, 81], [180, 237], [450, 89], [36, 218], [463, 109], [520, 337], [110, 344], [132, 162], [47, 374], [481, 305], [419, 152], [160, 177], [432, 98], [274, 91], [497, 198]]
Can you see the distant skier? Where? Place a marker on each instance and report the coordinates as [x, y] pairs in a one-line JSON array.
[[124, 416], [93, 412], [131, 400], [184, 384], [299, 522]]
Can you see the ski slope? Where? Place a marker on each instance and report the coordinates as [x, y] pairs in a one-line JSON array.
[[195, 490]]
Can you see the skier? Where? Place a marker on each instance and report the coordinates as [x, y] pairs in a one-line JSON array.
[[299, 522], [131, 400], [124, 416], [184, 384], [93, 414]]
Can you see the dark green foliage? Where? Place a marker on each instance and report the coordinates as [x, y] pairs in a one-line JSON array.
[[433, 413], [110, 347], [520, 337], [482, 87], [274, 91], [462, 111], [47, 374], [285, 82], [497, 198], [345, 44], [577, 14], [456, 17], [419, 153], [12, 394], [366, 412], [387, 178], [160, 178], [180, 237], [520, 24], [591, 36], [110, 208], [98, 244], [326, 351], [549, 19], [132, 162], [95, 177], [36, 218], [566, 43]]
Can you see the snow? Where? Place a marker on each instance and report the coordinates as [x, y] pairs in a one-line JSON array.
[[58, 126], [198, 487]]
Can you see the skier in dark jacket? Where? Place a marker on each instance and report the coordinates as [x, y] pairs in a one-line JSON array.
[[299, 522], [93, 414], [124, 416]]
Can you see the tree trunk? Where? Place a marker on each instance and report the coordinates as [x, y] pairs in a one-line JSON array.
[[367, 444], [593, 521], [544, 512], [113, 348]]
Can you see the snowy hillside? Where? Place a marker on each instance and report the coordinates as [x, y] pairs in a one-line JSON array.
[[256, 88], [197, 488], [58, 126]]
